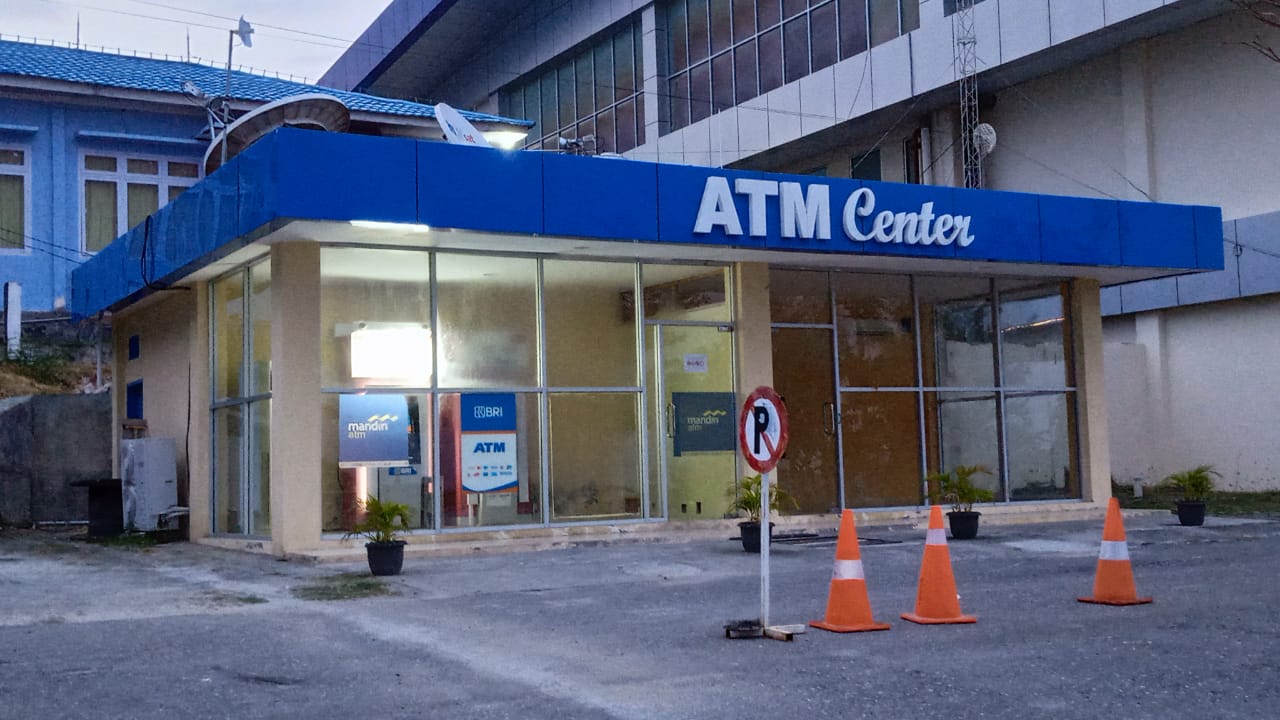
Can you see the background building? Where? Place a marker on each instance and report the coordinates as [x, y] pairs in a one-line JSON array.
[[1129, 99]]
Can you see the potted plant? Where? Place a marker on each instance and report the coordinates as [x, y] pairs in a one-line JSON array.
[[1195, 485], [957, 489], [382, 524], [747, 499]]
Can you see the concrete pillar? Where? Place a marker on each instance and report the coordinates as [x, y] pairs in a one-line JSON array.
[[654, 57], [1091, 399], [753, 332], [295, 397], [200, 472]]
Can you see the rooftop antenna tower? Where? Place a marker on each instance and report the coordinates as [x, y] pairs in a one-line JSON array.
[[967, 65]]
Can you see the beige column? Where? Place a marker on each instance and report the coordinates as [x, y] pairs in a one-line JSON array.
[[1095, 452], [753, 333], [295, 397], [200, 475]]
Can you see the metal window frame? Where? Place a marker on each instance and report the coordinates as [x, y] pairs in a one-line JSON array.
[[23, 171], [122, 178]]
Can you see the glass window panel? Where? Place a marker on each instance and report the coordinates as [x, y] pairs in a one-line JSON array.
[[228, 439], [679, 86], [640, 120], [1034, 336], [533, 108], [956, 316], [960, 429], [876, 329], [143, 200], [686, 292], [699, 92], [881, 436], [883, 19], [865, 166], [521, 505], [260, 467], [744, 65], [588, 304], [624, 66], [142, 167], [550, 122], [770, 46], [504, 103], [722, 82], [1040, 430], [796, 47], [804, 374], [13, 212], [488, 321], [100, 162], [768, 13], [343, 488], [228, 336], [721, 26], [99, 214], [585, 85], [677, 38], [9, 156], [698, 31], [744, 19], [791, 7], [588, 127], [910, 15], [799, 296], [566, 90], [605, 133], [853, 27], [260, 314], [626, 121], [173, 192], [823, 25], [595, 456], [375, 314]]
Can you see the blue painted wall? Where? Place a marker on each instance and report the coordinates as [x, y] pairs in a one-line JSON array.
[[54, 149]]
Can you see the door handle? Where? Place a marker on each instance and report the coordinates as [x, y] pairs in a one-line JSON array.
[[829, 418], [671, 420]]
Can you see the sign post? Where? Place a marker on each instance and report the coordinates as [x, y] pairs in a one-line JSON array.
[[762, 432]]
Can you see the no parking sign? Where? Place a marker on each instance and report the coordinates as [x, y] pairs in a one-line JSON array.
[[762, 429]]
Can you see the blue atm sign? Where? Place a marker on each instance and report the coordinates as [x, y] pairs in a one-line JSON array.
[[489, 458], [373, 431]]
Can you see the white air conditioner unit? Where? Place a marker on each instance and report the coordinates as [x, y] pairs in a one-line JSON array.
[[149, 487]]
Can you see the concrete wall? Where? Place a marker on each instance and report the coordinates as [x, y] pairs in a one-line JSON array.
[[1196, 385], [46, 443]]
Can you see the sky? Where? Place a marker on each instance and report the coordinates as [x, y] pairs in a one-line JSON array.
[[302, 38]]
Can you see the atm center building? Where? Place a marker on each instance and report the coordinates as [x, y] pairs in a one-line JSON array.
[[523, 343]]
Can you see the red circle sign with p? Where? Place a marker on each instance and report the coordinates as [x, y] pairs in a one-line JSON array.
[[762, 429]]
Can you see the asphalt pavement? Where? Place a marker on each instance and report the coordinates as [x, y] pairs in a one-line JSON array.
[[632, 631]]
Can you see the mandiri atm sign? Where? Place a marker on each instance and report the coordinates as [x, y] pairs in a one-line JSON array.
[[762, 429]]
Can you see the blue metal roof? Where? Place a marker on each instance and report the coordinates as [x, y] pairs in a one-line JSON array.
[[300, 175], [143, 73]]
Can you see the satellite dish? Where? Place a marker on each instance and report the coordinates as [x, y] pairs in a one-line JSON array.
[[245, 32], [984, 139], [315, 111], [456, 128]]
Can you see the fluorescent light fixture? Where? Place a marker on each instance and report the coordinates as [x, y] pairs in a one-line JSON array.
[[505, 139], [391, 352], [381, 225]]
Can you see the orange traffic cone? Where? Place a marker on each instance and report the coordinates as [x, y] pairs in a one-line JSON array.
[[1113, 584], [936, 601], [848, 609]]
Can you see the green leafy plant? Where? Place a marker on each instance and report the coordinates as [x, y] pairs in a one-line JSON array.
[[383, 521], [1194, 484], [956, 487], [749, 493]]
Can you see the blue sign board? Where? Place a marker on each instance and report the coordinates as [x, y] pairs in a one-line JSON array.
[[704, 422], [373, 430], [489, 452]]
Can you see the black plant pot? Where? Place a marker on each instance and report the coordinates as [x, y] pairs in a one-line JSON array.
[[1191, 512], [964, 525], [385, 558], [751, 535]]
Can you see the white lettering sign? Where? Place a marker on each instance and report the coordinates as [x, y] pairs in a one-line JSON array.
[[805, 213]]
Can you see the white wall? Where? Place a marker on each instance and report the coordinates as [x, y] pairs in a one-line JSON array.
[[1198, 386]]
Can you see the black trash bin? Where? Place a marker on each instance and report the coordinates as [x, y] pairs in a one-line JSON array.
[[106, 513]]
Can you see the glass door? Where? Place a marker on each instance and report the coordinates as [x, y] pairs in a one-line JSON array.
[[692, 421], [804, 375]]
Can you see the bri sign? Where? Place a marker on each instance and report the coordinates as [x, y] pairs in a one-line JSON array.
[[807, 213], [489, 442]]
